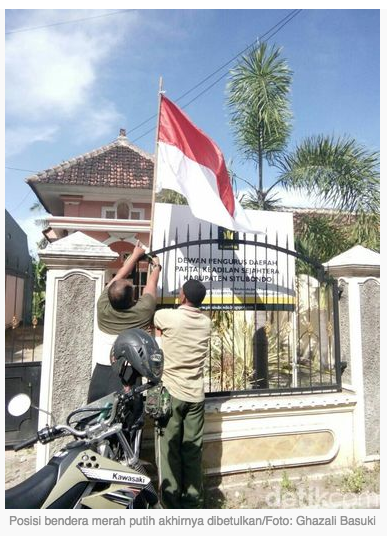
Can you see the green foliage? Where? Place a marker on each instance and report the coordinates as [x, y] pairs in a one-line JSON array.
[[340, 172], [39, 292], [366, 230], [40, 222], [232, 351], [256, 199], [354, 481], [322, 237], [258, 102], [250, 351], [170, 196], [287, 486]]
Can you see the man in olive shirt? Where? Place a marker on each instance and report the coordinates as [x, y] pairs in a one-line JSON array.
[[185, 335], [117, 311]]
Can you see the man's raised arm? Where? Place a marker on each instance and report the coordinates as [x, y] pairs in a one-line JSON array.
[[153, 277], [129, 264]]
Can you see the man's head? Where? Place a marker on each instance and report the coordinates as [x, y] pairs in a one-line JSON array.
[[120, 294], [193, 292]]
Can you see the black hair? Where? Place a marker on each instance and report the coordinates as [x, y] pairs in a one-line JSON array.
[[194, 291], [120, 295]]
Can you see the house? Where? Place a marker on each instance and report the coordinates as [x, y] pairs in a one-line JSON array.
[[106, 194], [18, 274]]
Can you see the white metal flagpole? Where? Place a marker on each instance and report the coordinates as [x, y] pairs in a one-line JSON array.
[[155, 166]]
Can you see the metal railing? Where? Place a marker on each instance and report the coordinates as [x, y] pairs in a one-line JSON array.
[[274, 313], [24, 335]]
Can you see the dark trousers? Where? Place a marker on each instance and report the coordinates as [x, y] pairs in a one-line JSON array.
[[179, 449]]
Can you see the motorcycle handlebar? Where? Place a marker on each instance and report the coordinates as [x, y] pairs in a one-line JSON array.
[[47, 434]]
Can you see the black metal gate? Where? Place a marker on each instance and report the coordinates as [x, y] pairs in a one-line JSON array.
[[23, 354], [274, 313], [21, 378]]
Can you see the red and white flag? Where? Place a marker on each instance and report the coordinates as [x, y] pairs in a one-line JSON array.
[[190, 163]]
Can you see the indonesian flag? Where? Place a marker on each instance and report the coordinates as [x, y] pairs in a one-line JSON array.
[[190, 163]]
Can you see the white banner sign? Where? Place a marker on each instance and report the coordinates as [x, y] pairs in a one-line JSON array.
[[236, 275]]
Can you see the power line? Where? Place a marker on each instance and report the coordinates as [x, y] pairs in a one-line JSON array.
[[268, 35], [283, 21], [67, 22], [145, 133], [19, 169], [28, 193], [225, 74], [21, 202], [290, 16]]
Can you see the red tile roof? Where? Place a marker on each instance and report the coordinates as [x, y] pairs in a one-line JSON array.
[[117, 164]]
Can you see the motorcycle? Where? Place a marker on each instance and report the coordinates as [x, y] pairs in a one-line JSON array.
[[101, 466]]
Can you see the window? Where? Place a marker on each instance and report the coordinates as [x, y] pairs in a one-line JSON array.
[[123, 210]]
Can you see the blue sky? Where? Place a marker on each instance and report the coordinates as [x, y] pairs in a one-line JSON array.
[[70, 86]]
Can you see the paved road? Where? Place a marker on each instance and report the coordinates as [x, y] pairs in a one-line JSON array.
[[19, 466]]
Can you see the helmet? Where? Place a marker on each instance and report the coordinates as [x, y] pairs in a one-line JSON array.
[[135, 353]]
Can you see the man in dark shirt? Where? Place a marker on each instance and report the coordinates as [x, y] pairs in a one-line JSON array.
[[117, 311]]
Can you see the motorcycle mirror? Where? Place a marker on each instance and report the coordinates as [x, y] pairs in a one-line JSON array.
[[19, 404]]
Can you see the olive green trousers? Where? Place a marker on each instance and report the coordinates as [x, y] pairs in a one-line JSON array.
[[179, 447]]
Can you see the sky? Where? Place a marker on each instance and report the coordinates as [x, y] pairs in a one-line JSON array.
[[74, 77]]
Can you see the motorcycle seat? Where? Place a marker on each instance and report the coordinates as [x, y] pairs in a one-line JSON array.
[[34, 491]]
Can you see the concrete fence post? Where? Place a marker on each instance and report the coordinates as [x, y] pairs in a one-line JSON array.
[[358, 274], [75, 278]]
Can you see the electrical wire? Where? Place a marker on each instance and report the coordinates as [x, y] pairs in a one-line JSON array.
[[225, 74], [21, 202], [85, 19], [19, 169], [290, 16], [268, 35]]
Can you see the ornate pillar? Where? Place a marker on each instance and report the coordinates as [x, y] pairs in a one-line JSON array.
[[358, 272], [75, 278]]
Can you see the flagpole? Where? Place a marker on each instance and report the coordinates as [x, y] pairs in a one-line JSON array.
[[155, 165]]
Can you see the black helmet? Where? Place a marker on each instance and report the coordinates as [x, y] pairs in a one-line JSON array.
[[135, 353]]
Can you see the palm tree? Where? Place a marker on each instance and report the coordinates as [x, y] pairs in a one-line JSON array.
[[343, 174], [258, 100], [340, 172]]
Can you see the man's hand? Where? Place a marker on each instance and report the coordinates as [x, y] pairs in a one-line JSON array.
[[139, 250], [128, 266], [156, 262], [153, 277]]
